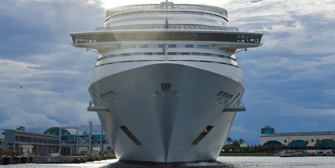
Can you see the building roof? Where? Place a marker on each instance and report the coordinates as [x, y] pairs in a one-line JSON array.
[[55, 131]]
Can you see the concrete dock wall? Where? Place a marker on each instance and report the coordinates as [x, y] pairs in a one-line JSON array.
[[61, 159]]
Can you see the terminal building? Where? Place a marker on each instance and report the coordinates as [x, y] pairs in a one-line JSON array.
[[55, 140], [298, 139], [26, 143]]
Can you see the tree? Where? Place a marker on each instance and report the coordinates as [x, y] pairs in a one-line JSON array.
[[326, 141], [236, 145], [331, 143], [306, 142], [229, 140], [317, 142], [241, 141], [109, 148], [293, 143]]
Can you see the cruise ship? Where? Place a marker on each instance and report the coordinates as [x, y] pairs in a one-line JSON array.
[[166, 85]]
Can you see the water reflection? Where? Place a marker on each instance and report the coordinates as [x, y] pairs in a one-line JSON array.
[[224, 162]]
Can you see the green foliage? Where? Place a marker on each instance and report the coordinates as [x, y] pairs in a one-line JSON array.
[[233, 146], [109, 148], [306, 142], [229, 140]]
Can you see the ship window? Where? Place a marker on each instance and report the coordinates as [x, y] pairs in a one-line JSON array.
[[188, 46], [126, 54], [129, 46], [144, 46], [203, 46], [202, 135], [130, 135], [185, 53], [172, 45], [172, 53], [161, 45], [196, 54]]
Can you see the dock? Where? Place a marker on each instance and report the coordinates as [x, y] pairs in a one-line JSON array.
[[47, 159]]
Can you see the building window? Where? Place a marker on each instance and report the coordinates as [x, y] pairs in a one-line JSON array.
[[22, 139], [28, 139]]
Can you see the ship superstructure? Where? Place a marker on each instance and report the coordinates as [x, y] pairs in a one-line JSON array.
[[166, 85]]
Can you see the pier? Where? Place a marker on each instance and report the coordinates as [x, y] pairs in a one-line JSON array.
[[47, 159]]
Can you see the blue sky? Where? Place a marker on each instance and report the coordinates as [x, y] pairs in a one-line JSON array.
[[289, 81]]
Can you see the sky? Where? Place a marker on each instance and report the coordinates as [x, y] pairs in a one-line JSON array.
[[289, 80]]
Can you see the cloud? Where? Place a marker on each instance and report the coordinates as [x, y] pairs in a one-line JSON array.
[[35, 54], [31, 120], [302, 27], [238, 132]]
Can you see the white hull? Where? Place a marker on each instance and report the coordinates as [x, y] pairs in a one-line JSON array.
[[166, 123]]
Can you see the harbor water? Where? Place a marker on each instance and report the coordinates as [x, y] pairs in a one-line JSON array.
[[230, 161]]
